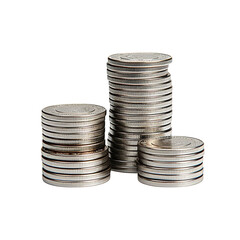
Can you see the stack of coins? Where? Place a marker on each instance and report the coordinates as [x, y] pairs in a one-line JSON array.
[[170, 161], [140, 94], [74, 152]]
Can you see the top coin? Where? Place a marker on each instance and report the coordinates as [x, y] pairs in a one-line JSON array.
[[75, 110], [145, 58], [171, 145]]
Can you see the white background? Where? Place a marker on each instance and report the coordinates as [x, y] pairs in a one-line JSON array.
[[54, 52]]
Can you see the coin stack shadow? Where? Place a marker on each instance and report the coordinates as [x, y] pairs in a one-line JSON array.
[[74, 152], [140, 95], [170, 161]]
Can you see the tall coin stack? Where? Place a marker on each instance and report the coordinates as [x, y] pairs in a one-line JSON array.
[[140, 95], [74, 152], [170, 161]]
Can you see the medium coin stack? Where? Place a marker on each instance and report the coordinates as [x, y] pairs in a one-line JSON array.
[[170, 161], [74, 152], [140, 95]]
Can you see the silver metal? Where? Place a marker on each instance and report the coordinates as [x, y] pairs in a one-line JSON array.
[[85, 170], [172, 158], [175, 145], [149, 81], [79, 111], [171, 177], [76, 177], [73, 141], [169, 171], [88, 183], [137, 75], [159, 183], [86, 156], [140, 59], [78, 136], [73, 148], [122, 69], [73, 123], [170, 164], [74, 164], [70, 130]]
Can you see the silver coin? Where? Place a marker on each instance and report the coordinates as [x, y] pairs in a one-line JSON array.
[[71, 136], [171, 177], [140, 59], [135, 91], [73, 124], [133, 112], [170, 164], [82, 111], [139, 128], [122, 158], [176, 158], [150, 117], [122, 69], [73, 141], [131, 141], [137, 75], [75, 156], [142, 124], [153, 104], [136, 135], [122, 146], [73, 148], [88, 183], [75, 164], [145, 100], [118, 151], [159, 183], [70, 171], [79, 130], [169, 171], [149, 81], [141, 87], [124, 170], [76, 177], [175, 145]]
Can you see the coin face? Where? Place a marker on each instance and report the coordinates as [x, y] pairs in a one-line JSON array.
[[176, 143], [74, 110], [146, 57]]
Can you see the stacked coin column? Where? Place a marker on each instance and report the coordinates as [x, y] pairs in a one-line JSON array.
[[74, 152], [170, 161], [140, 94]]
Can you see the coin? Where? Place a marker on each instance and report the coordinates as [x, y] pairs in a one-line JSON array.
[[171, 177], [176, 145], [73, 148], [169, 164], [140, 59], [99, 153], [169, 171], [73, 141], [172, 158], [133, 70], [73, 123], [84, 170], [82, 111], [74, 164], [79, 130], [65, 136], [88, 183], [162, 183], [76, 177]]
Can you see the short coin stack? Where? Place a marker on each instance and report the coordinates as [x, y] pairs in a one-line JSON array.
[[170, 161], [140, 95], [74, 152]]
